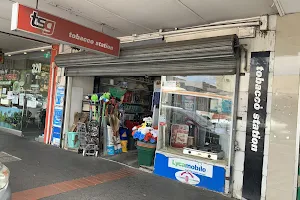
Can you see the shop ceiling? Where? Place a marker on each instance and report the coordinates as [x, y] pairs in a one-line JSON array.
[[127, 17]]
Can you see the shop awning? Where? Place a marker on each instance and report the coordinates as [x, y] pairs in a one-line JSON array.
[[206, 56]]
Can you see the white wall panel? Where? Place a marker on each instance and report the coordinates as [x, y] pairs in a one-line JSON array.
[[283, 149], [238, 184], [262, 42], [243, 101], [241, 139]]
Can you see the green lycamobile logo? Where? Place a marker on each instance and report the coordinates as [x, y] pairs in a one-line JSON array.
[[195, 167], [192, 166]]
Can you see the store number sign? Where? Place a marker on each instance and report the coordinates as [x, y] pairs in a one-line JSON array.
[[36, 68]]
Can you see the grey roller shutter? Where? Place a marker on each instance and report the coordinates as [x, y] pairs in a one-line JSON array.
[[206, 56]]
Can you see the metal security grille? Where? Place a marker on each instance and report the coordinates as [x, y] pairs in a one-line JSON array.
[[206, 56]]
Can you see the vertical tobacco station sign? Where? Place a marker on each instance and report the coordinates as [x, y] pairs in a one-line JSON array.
[[256, 118]]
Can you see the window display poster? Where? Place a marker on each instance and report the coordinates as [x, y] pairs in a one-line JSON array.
[[10, 95], [21, 99], [190, 172], [215, 105], [10, 117], [226, 106], [189, 102], [60, 94], [15, 99], [170, 84], [179, 135]]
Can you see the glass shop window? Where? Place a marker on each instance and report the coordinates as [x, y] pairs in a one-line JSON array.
[[196, 115]]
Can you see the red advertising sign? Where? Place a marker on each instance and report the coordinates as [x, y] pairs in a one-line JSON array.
[[9, 77], [33, 21]]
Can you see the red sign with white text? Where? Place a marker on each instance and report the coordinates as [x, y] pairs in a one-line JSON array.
[[33, 21]]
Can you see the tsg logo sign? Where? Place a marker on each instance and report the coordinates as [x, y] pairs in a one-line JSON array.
[[44, 24]]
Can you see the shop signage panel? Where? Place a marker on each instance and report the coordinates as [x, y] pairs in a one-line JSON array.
[[29, 20], [256, 118], [58, 116], [60, 95], [191, 172], [56, 131]]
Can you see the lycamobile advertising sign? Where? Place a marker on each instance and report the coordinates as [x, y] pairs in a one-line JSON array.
[[191, 166], [190, 171]]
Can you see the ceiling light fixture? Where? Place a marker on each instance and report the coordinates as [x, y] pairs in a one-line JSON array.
[[9, 55], [43, 50], [25, 53], [28, 50]]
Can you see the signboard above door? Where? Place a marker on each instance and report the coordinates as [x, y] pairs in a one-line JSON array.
[[32, 21]]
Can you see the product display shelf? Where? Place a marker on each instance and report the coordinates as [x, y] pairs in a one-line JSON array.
[[140, 90], [131, 90], [182, 109], [138, 81], [137, 104], [196, 94], [108, 84], [130, 112]]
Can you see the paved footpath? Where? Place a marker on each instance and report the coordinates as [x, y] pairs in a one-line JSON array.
[[40, 171]]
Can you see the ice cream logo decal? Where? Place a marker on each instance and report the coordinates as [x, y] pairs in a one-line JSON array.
[[187, 177]]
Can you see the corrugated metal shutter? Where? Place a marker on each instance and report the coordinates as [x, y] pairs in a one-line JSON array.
[[205, 56]]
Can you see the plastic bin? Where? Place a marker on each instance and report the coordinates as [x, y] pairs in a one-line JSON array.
[[124, 145], [73, 140], [131, 143], [145, 155], [111, 150]]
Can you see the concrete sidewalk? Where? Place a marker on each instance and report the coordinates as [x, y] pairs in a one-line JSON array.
[[46, 172]]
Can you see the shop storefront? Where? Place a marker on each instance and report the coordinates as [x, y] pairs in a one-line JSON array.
[[188, 89], [24, 83], [202, 98]]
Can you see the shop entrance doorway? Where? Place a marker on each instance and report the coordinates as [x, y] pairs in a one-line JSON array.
[[133, 100]]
